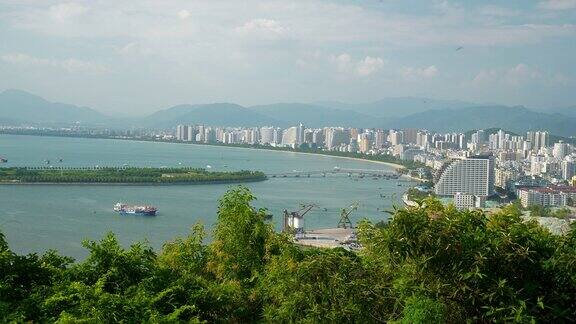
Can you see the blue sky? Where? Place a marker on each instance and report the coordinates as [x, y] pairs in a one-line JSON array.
[[135, 57]]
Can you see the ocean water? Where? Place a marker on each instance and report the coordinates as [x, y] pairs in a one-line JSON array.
[[35, 218]]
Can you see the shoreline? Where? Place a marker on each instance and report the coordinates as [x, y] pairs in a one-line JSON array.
[[395, 166]]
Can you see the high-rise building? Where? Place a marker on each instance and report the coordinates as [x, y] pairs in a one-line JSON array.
[[410, 135], [396, 137], [422, 139], [501, 139], [354, 132], [479, 137], [560, 150], [277, 135], [364, 143], [209, 135], [473, 175], [180, 129], [335, 136], [300, 134], [568, 167], [290, 137], [190, 134], [267, 135], [538, 139], [318, 137], [379, 139], [200, 137]]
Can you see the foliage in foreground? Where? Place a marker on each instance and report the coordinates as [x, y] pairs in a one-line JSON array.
[[430, 264]]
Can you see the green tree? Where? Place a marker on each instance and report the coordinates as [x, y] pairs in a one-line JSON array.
[[239, 247]]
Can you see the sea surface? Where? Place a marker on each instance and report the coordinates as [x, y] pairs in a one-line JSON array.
[[35, 218]]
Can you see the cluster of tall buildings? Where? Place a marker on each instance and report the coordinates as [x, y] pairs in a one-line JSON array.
[[470, 165], [274, 136]]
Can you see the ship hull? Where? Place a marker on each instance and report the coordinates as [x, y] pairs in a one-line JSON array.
[[142, 213], [124, 209]]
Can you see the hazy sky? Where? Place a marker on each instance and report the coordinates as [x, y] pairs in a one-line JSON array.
[[134, 57]]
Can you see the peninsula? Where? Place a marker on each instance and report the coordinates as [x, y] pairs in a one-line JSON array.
[[128, 175]]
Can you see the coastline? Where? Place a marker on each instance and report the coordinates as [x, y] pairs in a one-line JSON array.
[[395, 166], [390, 164]]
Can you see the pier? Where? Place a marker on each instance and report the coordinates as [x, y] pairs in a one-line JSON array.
[[374, 173]]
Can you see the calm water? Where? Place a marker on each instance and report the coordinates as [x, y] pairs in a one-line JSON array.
[[35, 218]]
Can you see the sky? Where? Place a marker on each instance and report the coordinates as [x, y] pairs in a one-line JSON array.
[[135, 57]]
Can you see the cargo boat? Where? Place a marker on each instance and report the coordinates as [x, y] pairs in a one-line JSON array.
[[125, 209]]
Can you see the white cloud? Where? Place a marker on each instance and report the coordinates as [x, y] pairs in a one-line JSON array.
[[343, 62], [134, 48], [184, 14], [369, 65], [64, 11], [496, 11], [412, 73], [262, 26], [346, 65], [517, 76], [309, 22], [71, 65], [557, 4]]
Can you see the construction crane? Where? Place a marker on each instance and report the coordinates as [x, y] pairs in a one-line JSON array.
[[345, 221], [295, 220]]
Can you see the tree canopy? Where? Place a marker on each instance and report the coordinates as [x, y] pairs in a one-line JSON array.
[[428, 264]]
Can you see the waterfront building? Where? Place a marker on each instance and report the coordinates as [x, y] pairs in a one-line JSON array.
[[267, 135], [473, 175], [201, 135], [335, 136], [209, 135], [277, 136], [300, 134], [290, 137], [318, 137], [364, 142], [181, 132], [190, 135]]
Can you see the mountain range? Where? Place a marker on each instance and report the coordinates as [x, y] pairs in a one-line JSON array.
[[22, 108]]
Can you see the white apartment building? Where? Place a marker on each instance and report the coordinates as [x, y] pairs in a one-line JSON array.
[[473, 175], [468, 201]]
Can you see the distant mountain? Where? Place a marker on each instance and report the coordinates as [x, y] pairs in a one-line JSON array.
[[398, 107], [516, 119], [218, 114], [566, 111], [20, 107], [313, 115]]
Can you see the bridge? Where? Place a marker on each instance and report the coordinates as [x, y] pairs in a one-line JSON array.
[[385, 174]]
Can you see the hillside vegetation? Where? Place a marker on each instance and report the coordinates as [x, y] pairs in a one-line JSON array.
[[430, 264]]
